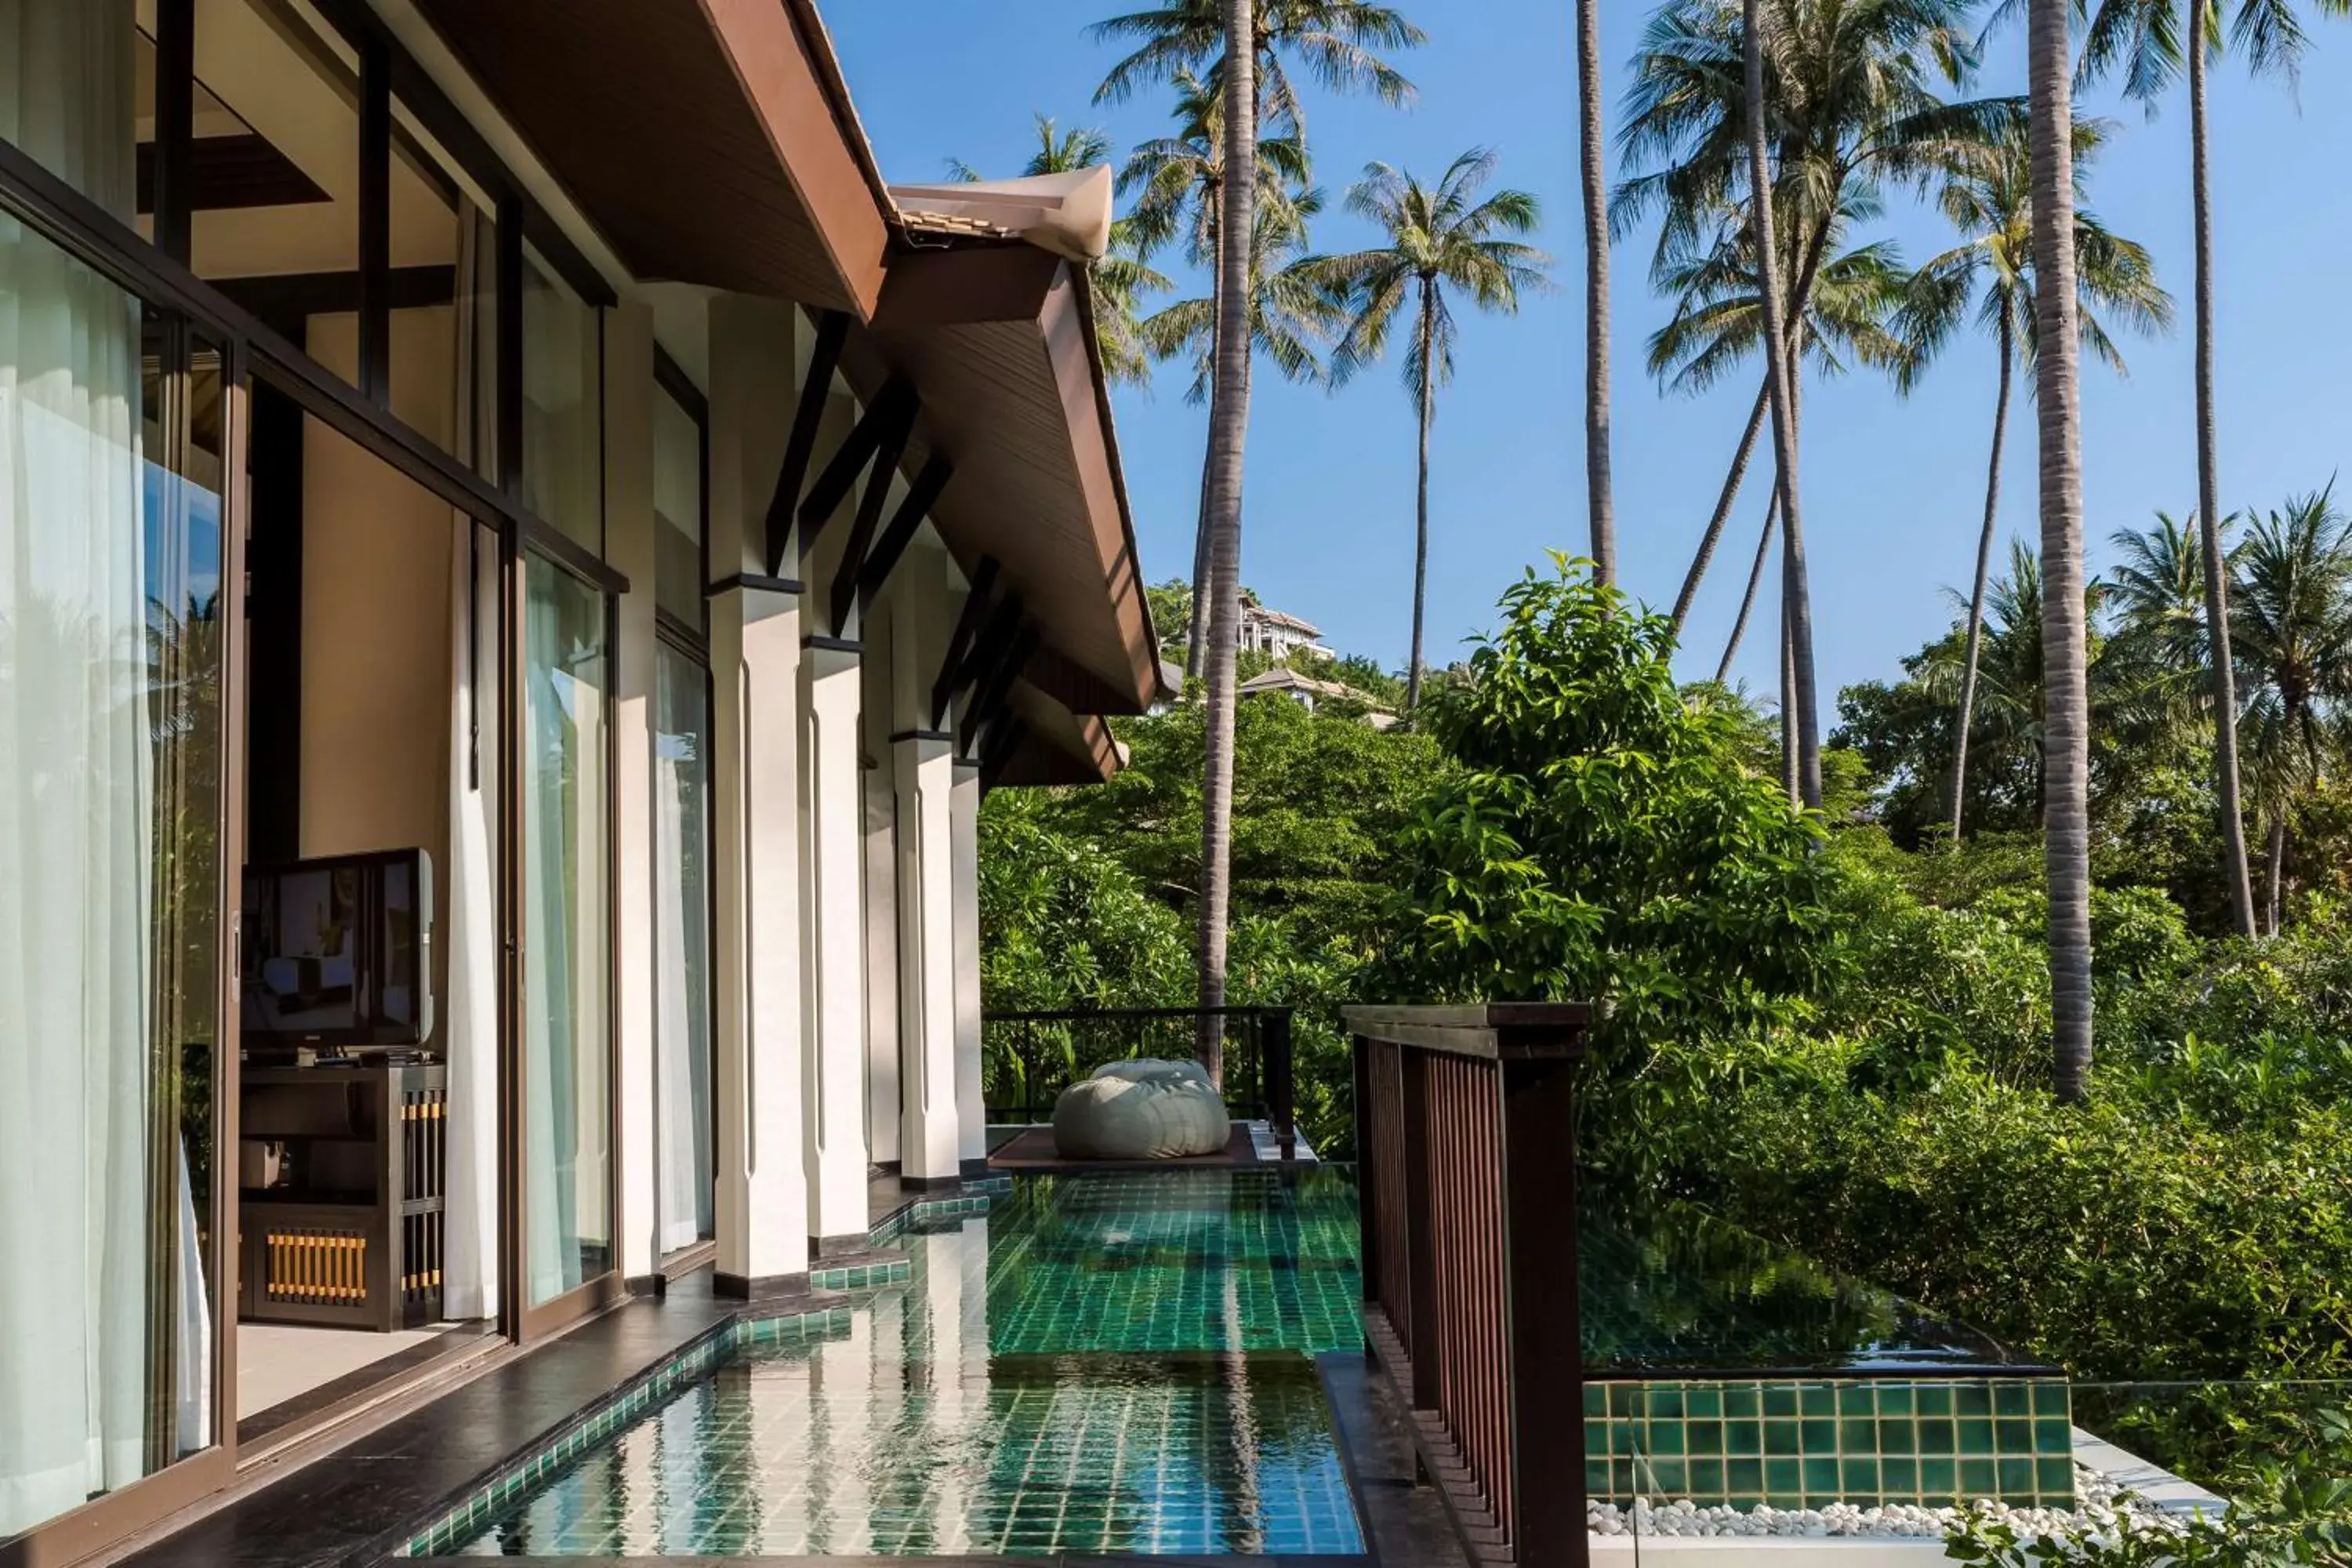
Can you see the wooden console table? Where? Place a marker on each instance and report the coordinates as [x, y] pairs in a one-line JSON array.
[[352, 1234]]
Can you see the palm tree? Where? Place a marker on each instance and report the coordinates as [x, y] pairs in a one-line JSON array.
[[1339, 41], [2158, 589], [1118, 282], [1988, 195], [1836, 98], [1178, 184], [2143, 38], [1228, 437], [1797, 600], [1849, 314], [1439, 238], [2065, 629], [1600, 504], [2290, 620]]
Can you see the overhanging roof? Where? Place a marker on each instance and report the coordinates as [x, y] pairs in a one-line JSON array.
[[999, 340], [708, 141], [1056, 746]]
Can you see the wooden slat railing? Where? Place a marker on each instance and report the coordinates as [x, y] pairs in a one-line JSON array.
[[1467, 1178]]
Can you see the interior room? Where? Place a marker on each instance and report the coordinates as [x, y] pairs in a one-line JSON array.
[[367, 1160]]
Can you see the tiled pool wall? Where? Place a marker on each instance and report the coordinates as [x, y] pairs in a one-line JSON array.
[[530, 1471], [1804, 1443]]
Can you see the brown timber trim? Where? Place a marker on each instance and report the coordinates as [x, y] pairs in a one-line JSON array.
[[800, 447], [375, 223]]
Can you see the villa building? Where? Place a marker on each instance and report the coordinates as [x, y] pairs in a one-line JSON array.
[[1277, 636], [520, 555]]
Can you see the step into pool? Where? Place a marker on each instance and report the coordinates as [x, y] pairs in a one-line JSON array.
[[1112, 1364]]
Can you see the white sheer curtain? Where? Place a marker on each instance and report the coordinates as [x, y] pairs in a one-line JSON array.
[[76, 796], [470, 1285]]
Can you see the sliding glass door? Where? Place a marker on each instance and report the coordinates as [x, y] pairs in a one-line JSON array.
[[565, 880]]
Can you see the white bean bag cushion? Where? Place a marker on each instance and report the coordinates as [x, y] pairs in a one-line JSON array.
[[1145, 1109]]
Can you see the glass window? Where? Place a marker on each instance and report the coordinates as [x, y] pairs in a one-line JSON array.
[[682, 979], [562, 415], [567, 1150], [77, 93], [678, 582], [111, 630]]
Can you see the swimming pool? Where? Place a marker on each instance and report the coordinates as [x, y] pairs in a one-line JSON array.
[[1104, 1363]]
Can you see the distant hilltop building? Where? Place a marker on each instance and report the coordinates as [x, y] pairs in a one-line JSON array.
[[1277, 636], [1309, 693]]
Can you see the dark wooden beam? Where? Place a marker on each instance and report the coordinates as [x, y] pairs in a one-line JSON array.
[[824, 358], [990, 698], [897, 422], [1002, 741], [375, 224], [967, 628], [508, 348], [893, 408], [921, 496], [997, 635], [173, 181], [286, 299]]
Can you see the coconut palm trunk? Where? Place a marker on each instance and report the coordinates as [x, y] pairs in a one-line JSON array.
[[1196, 639], [1228, 438], [1601, 502], [2208, 511], [1780, 384], [1977, 594], [2067, 740], [1722, 504], [1755, 580], [2277, 874], [1420, 507]]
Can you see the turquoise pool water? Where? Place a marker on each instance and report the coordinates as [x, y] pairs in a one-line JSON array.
[[1097, 1364]]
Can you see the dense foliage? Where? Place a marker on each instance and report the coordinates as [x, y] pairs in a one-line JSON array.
[[1602, 840]]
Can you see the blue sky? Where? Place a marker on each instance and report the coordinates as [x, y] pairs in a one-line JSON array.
[[1893, 489]]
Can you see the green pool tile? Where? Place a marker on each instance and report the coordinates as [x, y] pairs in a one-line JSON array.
[[1971, 1399], [1703, 1438], [1895, 1398], [1979, 1479], [1743, 1439], [1817, 1399], [1700, 1402], [1939, 1480], [1934, 1398], [1596, 1399], [1818, 1436], [1857, 1435], [1665, 1401], [1858, 1476], [1780, 1399], [1822, 1477], [1783, 1437], [1742, 1399], [2011, 1397], [2051, 1397], [1785, 1478], [1939, 1435], [2053, 1478]]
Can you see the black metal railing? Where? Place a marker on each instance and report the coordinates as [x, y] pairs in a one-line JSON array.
[[1028, 1058]]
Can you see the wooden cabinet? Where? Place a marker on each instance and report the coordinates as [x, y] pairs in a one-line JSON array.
[[351, 1232]]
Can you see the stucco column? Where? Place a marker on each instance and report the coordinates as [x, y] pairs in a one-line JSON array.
[[930, 1139], [629, 546], [763, 1200], [833, 967], [963, 859]]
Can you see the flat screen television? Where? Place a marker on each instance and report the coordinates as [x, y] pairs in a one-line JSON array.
[[338, 952]]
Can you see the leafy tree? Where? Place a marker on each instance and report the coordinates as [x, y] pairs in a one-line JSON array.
[[1438, 239], [1603, 840]]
